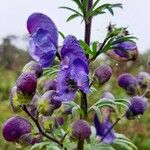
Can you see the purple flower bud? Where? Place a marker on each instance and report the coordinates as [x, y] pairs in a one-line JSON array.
[[128, 82], [15, 127], [26, 84], [14, 102], [108, 95], [137, 107], [103, 74], [143, 79], [37, 139], [81, 129], [35, 67], [124, 51], [50, 85], [48, 103], [59, 121], [25, 139]]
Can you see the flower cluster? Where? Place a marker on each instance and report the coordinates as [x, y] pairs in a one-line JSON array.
[[50, 106]]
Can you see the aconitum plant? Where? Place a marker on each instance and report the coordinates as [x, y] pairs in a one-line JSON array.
[[53, 89]]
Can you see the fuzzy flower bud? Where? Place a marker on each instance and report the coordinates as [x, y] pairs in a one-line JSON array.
[[124, 51], [34, 67], [15, 127], [50, 85], [81, 129], [143, 79], [137, 107], [48, 104], [59, 121], [14, 102], [102, 74], [26, 85], [128, 82]]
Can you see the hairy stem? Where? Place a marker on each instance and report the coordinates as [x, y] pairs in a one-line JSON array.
[[108, 131], [35, 120]]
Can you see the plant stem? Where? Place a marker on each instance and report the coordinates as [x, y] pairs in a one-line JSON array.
[[88, 26], [118, 119], [39, 127], [80, 145]]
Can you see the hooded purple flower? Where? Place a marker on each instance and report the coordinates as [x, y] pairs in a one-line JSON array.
[[73, 74], [43, 38], [124, 51], [102, 128]]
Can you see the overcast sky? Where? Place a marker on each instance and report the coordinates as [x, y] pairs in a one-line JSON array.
[[136, 15]]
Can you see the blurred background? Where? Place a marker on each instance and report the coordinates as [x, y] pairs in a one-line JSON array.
[[14, 46]]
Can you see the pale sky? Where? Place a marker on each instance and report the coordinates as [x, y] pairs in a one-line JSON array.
[[136, 15]]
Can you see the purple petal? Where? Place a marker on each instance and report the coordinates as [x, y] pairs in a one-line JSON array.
[[41, 48], [40, 21], [102, 128], [72, 49]]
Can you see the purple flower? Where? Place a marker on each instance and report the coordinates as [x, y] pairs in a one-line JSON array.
[[137, 107], [102, 128], [43, 38], [34, 67], [103, 73], [124, 51], [15, 127], [81, 129], [128, 82], [73, 74]]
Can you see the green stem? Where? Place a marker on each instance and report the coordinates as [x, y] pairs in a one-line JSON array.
[[80, 145]]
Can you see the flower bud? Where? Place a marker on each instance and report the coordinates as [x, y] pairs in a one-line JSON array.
[[50, 85], [103, 74], [124, 51], [25, 139], [15, 127], [137, 107], [14, 102], [48, 104], [37, 139], [81, 129], [128, 82], [34, 67], [26, 86], [59, 121], [108, 95], [143, 79]]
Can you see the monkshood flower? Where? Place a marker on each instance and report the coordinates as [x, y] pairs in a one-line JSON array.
[[50, 85], [143, 79], [35, 67], [81, 129], [103, 127], [102, 74], [128, 82], [26, 87], [43, 38], [74, 70], [16, 127], [137, 107], [124, 51]]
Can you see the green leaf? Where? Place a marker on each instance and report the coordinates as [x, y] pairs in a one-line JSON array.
[[61, 34], [94, 47], [72, 17], [95, 4], [73, 10], [86, 47]]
